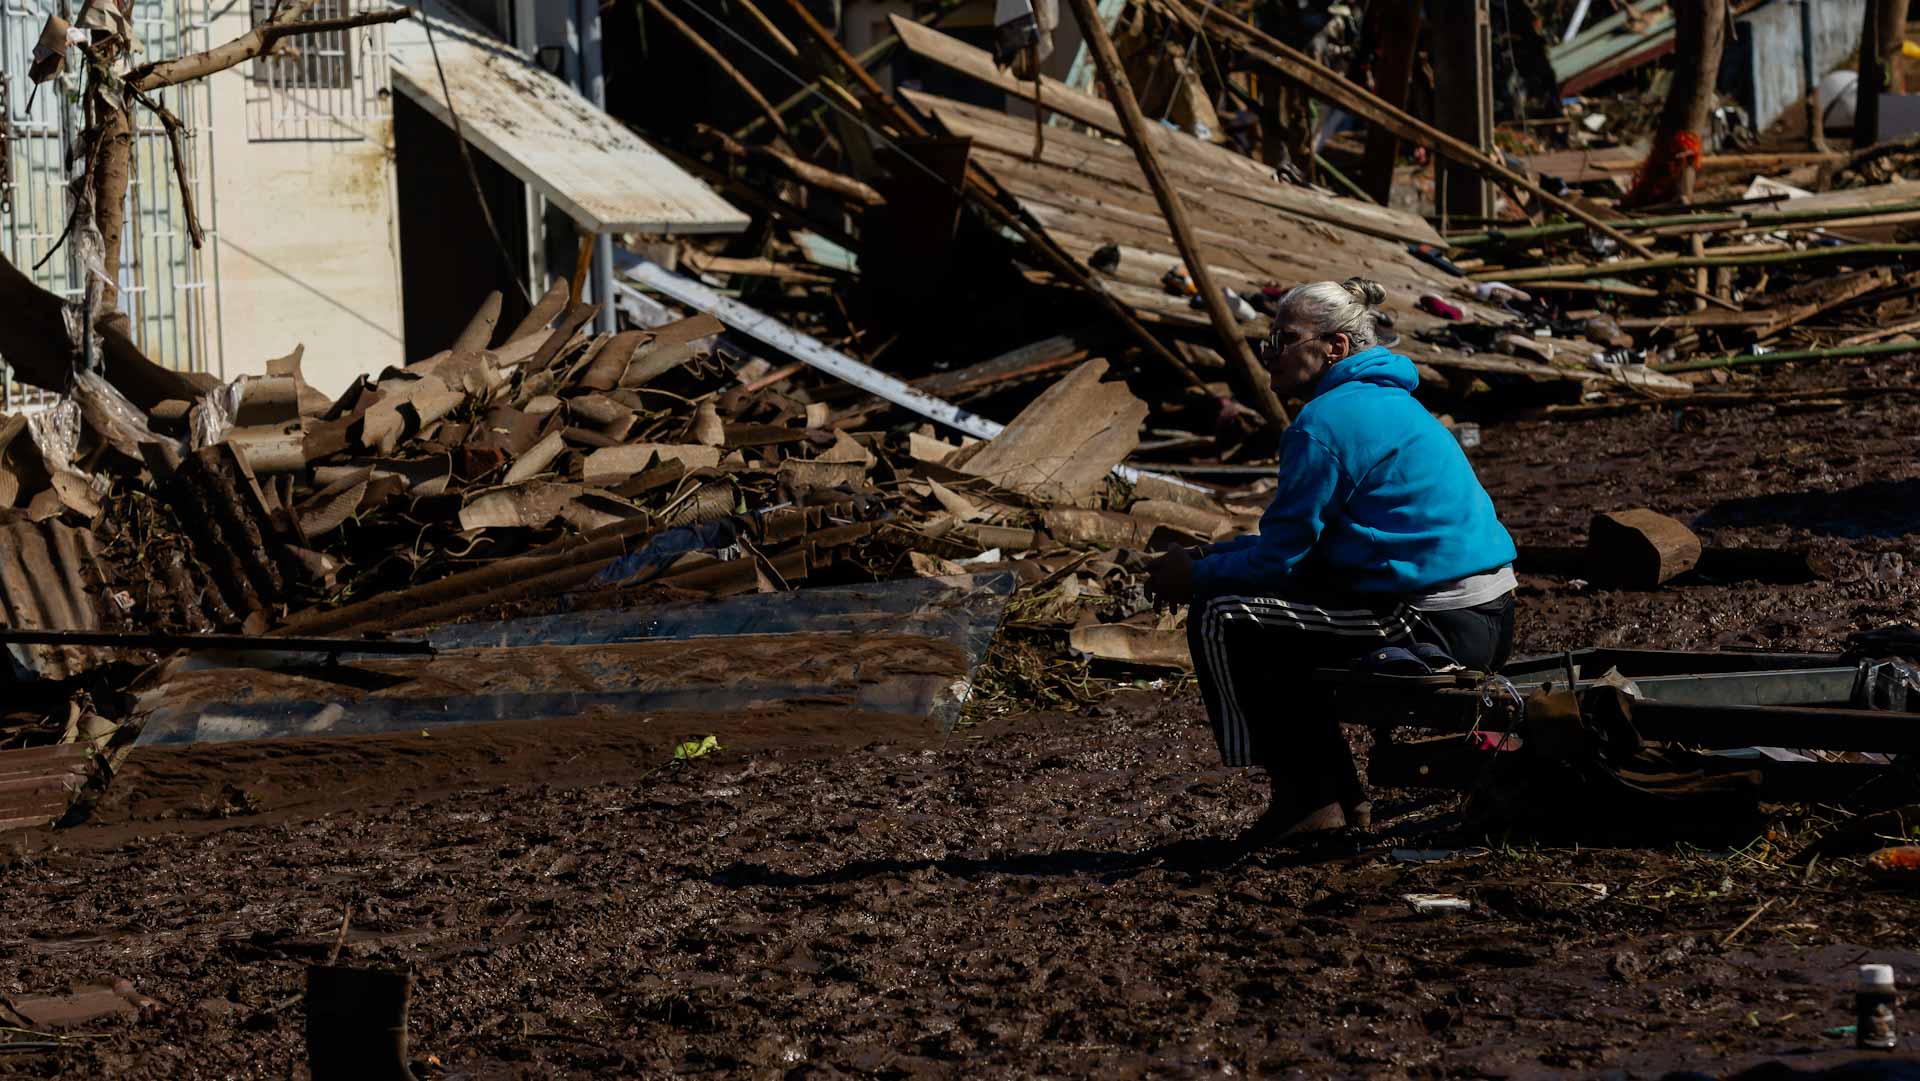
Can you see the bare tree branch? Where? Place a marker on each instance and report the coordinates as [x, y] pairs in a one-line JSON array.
[[252, 44], [174, 127]]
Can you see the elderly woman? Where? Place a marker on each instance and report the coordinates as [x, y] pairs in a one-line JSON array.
[[1379, 535]]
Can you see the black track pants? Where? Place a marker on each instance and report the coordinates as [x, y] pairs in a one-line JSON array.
[[1255, 657]]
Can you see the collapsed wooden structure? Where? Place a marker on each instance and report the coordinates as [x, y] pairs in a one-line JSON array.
[[763, 423]]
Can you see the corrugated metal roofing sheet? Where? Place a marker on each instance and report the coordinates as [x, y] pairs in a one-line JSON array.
[[50, 579], [543, 131], [1612, 46]]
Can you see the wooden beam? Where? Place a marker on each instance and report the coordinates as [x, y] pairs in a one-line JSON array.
[[1253, 380], [793, 166], [720, 61], [1883, 333], [766, 26], [1041, 356], [1323, 82]]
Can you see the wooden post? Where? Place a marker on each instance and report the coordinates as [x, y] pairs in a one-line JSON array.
[[1700, 274], [1400, 43], [1810, 74], [1463, 71], [1885, 25], [1893, 34], [1253, 379]]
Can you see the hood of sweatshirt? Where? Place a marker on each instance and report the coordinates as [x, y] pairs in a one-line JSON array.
[[1378, 365]]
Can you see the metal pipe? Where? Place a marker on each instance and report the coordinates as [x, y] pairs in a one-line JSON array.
[[107, 639], [593, 78], [1716, 726], [1574, 24]]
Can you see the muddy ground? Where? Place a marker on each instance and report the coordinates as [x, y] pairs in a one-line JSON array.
[[826, 897]]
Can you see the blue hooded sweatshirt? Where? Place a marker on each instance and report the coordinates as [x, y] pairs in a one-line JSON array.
[[1375, 496]]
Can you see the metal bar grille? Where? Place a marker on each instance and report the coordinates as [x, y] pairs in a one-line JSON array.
[[166, 286], [320, 87]]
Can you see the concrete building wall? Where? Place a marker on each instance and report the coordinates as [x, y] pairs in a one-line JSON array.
[[307, 240]]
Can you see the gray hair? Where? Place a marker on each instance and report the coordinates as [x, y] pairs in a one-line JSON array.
[[1351, 307]]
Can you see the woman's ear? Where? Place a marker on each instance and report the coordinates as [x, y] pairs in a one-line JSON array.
[[1341, 343]]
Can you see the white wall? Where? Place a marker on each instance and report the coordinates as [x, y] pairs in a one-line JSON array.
[[307, 243]]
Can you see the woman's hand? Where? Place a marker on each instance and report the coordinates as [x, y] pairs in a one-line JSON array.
[[1170, 579]]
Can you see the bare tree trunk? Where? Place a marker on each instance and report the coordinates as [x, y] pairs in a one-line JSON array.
[[114, 121], [33, 338], [1699, 35], [110, 180], [1893, 31]]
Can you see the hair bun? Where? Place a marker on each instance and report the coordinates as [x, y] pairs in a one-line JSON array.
[[1366, 291]]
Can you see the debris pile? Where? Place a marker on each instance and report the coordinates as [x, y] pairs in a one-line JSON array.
[[559, 469], [989, 320]]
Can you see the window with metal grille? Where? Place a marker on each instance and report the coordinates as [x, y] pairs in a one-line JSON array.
[[323, 87], [310, 61]]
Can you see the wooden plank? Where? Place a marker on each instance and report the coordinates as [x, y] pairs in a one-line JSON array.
[[1618, 163], [1900, 191], [1146, 252], [1087, 193], [1586, 166], [1063, 445], [1028, 360], [950, 52], [1713, 320], [1607, 41], [1119, 195], [1106, 160]]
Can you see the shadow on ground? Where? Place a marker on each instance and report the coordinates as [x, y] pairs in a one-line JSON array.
[[1874, 509]]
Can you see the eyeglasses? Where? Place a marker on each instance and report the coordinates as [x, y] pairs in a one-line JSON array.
[[1280, 340]]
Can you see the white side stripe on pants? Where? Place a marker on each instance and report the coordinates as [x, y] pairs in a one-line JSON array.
[[1231, 727]]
